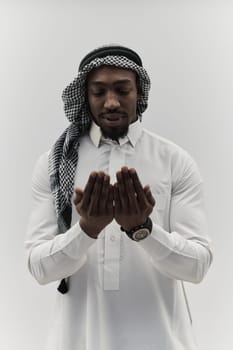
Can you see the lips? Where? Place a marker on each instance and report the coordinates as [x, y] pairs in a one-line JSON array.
[[112, 122], [113, 119], [112, 116]]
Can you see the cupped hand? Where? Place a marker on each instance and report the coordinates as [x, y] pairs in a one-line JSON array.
[[95, 203], [133, 203]]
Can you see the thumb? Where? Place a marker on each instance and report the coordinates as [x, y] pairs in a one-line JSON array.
[[149, 195], [78, 195]]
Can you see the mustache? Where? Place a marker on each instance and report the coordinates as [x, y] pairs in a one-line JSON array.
[[113, 113]]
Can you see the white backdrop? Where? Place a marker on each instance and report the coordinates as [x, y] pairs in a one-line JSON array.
[[187, 48]]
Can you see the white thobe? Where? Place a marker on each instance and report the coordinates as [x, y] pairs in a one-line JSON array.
[[124, 295]]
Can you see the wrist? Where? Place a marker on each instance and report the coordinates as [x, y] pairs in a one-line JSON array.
[[139, 232], [133, 227], [91, 231]]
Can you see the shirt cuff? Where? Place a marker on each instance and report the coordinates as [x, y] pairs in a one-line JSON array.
[[159, 243], [76, 243]]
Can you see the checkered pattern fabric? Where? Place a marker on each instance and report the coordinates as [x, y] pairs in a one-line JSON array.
[[74, 95], [63, 157]]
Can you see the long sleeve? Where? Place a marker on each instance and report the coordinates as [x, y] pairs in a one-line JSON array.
[[117, 285], [51, 256], [184, 251]]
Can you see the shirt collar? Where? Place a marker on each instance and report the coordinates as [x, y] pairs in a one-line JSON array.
[[134, 132]]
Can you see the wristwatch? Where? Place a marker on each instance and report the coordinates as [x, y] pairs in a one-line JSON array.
[[139, 232]]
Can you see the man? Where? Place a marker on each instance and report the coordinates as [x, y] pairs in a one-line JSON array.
[[117, 217]]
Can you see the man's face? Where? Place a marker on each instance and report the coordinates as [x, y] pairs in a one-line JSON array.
[[112, 97]]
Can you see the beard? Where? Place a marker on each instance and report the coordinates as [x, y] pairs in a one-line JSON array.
[[114, 133]]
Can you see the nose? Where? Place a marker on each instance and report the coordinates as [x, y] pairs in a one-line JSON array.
[[111, 101]]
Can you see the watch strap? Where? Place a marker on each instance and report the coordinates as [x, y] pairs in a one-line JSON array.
[[147, 225]]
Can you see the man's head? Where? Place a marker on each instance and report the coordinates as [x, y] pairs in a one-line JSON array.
[[111, 88], [112, 95]]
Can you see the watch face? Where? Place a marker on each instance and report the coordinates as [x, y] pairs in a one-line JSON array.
[[140, 234]]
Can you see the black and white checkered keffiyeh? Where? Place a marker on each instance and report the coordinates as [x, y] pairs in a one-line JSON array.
[[63, 157]]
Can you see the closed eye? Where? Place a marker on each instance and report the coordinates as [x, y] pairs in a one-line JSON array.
[[98, 93], [123, 92]]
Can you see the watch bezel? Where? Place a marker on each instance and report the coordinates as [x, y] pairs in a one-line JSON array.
[[136, 236], [133, 233]]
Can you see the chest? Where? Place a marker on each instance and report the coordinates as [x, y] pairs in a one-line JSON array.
[[152, 167]]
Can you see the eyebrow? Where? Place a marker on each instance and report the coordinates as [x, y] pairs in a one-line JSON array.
[[120, 81]]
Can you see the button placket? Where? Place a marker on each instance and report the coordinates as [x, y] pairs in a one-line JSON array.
[[112, 255], [112, 258], [116, 161]]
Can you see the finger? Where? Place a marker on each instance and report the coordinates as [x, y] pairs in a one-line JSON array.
[[96, 194], [122, 192], [149, 195], [78, 195], [88, 190], [104, 194], [109, 205], [137, 185], [117, 199], [129, 190]]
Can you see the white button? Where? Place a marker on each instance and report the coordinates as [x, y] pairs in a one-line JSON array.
[[113, 238]]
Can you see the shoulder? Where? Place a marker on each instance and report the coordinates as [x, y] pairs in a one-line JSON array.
[[165, 145], [41, 164], [40, 175]]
